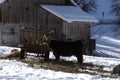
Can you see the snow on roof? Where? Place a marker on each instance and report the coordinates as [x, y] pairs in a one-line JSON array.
[[1, 1], [70, 13]]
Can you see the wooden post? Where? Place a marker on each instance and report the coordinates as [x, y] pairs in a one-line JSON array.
[[92, 45], [22, 54]]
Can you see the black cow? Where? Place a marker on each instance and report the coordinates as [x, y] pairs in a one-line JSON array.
[[64, 48]]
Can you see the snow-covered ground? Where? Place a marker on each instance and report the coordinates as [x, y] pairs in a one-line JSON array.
[[14, 70]]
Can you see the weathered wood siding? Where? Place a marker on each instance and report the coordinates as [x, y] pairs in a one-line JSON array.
[[30, 14], [24, 11], [0, 13], [55, 24], [76, 30], [47, 22], [9, 34]]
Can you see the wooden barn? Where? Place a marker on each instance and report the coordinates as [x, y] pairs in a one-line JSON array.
[[67, 21]]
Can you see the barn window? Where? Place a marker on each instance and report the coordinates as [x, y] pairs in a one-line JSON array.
[[27, 8], [6, 0], [12, 31], [9, 7], [68, 2]]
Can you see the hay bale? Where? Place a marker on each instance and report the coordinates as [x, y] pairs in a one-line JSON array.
[[13, 53], [116, 70]]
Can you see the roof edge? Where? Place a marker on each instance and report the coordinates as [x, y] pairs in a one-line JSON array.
[[93, 19]]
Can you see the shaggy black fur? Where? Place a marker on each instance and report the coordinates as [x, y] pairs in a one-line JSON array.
[[64, 48]]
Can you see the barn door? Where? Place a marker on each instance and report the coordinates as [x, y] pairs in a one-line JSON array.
[[9, 35]]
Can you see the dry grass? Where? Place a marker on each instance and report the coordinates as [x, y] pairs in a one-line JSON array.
[[65, 66]]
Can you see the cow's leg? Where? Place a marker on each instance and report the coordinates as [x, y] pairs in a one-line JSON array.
[[80, 58], [57, 56], [46, 56]]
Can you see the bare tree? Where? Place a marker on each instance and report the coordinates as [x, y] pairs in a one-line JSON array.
[[87, 5], [116, 11], [116, 7]]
